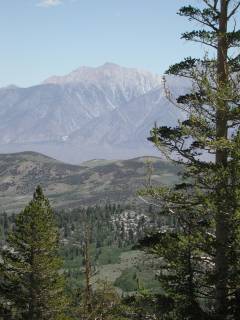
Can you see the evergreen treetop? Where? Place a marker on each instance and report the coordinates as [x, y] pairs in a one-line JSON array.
[[32, 286]]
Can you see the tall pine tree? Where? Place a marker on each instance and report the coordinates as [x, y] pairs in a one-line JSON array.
[[31, 285], [207, 145]]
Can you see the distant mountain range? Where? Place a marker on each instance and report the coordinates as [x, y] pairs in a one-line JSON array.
[[105, 112], [69, 186]]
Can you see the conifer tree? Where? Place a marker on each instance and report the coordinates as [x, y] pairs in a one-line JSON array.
[[31, 285], [185, 271], [207, 145]]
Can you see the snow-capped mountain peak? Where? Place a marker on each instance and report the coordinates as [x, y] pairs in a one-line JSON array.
[[106, 74], [103, 112]]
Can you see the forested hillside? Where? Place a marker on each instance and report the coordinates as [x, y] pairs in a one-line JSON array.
[[114, 232]]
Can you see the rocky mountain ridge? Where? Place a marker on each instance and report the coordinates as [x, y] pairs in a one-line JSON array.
[[104, 112]]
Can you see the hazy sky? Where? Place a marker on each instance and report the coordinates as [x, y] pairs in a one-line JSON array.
[[40, 38]]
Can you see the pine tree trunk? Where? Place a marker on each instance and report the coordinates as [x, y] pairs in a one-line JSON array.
[[222, 216]]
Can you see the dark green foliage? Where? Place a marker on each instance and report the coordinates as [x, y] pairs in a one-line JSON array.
[[31, 284], [201, 256], [185, 65], [110, 237], [184, 261], [128, 280], [107, 241]]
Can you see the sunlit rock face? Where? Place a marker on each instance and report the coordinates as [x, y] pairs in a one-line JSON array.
[[104, 112]]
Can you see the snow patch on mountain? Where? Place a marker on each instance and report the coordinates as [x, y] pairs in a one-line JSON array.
[[103, 112]]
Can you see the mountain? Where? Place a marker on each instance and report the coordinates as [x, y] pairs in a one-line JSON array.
[[94, 182], [103, 112]]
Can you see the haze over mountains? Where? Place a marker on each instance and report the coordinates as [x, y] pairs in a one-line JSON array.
[[105, 112]]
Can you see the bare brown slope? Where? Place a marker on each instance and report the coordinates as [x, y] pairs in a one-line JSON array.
[[96, 181]]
